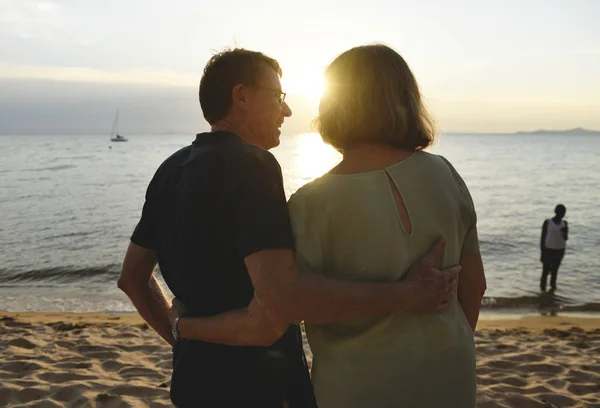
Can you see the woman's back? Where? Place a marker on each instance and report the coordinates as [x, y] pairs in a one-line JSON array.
[[350, 226]]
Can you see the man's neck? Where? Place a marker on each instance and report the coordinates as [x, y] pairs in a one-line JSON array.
[[225, 125]]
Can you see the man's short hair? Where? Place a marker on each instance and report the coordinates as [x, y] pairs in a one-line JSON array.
[[373, 97], [223, 72]]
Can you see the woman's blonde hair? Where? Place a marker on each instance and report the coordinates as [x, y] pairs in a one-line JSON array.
[[373, 97]]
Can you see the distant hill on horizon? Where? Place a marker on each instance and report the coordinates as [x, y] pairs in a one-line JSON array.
[[575, 131]]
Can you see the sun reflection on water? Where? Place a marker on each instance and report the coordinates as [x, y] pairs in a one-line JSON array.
[[303, 158]]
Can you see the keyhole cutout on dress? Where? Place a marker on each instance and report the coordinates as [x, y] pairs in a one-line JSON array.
[[400, 207]]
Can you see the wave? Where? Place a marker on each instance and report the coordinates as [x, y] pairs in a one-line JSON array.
[[108, 274], [543, 302], [59, 276], [54, 168]]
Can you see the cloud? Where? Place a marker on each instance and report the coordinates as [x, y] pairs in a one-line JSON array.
[[39, 106], [30, 19], [92, 75]]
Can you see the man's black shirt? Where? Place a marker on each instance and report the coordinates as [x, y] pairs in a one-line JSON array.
[[209, 206]]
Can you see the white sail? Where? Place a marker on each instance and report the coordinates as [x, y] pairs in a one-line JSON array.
[[114, 134]]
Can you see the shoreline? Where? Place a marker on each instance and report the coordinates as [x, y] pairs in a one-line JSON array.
[[486, 315], [107, 360]]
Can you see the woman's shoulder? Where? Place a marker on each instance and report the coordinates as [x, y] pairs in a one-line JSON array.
[[311, 191]]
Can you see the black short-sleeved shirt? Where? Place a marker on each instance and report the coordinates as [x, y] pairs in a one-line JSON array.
[[209, 206]]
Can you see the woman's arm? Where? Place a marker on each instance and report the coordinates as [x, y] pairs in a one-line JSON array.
[[471, 287]]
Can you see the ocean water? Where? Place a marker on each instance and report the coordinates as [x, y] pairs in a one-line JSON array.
[[68, 205]]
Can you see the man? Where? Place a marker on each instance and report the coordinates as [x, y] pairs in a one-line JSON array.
[[215, 219], [555, 233]]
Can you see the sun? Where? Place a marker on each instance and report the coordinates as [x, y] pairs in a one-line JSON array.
[[308, 83]]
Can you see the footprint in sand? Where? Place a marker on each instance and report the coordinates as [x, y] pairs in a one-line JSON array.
[[66, 394], [487, 381], [104, 355], [65, 344], [592, 368], [129, 335], [501, 364], [167, 364], [507, 348], [556, 383], [138, 391], [515, 381], [7, 395], [32, 394], [20, 367], [521, 401], [84, 349], [538, 389], [26, 383], [15, 323], [484, 370], [577, 377], [73, 366], [143, 349], [31, 357], [63, 377], [109, 400], [504, 389], [132, 372], [526, 358], [557, 399], [112, 365], [60, 326], [584, 389], [22, 343], [544, 369]]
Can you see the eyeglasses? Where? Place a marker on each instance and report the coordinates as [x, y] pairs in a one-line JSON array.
[[280, 95]]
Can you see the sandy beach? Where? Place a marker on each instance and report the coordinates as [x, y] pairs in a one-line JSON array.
[[98, 360]]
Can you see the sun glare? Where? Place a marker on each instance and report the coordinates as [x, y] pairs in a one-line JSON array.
[[315, 157], [308, 83]]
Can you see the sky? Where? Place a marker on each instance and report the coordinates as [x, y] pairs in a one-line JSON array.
[[483, 66]]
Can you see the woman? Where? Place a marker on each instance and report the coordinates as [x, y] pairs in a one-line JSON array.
[[376, 212]]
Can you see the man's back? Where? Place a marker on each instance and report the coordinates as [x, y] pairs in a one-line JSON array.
[[200, 216]]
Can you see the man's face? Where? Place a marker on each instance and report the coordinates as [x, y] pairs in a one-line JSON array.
[[266, 112]]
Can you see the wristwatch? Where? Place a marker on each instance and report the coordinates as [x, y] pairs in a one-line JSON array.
[[175, 329]]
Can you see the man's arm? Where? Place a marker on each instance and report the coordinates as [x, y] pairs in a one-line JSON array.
[[140, 285], [471, 287], [566, 231], [289, 295], [316, 299], [248, 326]]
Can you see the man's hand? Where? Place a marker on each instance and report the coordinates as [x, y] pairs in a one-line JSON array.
[[248, 326], [140, 285], [177, 309], [431, 289]]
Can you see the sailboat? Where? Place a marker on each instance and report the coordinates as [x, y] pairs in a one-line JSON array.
[[114, 134]]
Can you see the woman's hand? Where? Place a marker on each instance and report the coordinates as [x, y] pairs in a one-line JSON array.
[[431, 289]]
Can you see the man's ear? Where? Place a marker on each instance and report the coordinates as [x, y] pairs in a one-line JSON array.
[[238, 96]]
